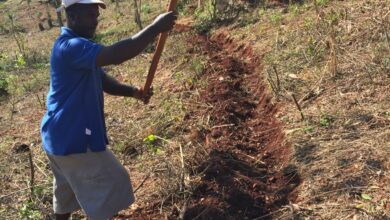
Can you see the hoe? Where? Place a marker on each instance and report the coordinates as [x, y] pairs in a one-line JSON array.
[[160, 47]]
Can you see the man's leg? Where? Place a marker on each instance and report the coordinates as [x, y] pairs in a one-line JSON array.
[[64, 199], [97, 179], [62, 216]]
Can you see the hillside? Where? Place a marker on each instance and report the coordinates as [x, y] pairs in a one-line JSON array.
[[262, 110]]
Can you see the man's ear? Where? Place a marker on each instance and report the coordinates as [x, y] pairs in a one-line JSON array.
[[72, 16]]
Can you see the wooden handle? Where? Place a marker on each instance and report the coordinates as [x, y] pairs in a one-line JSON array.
[[160, 47]]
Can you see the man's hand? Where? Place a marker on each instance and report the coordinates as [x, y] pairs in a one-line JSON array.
[[143, 96], [131, 47], [165, 22]]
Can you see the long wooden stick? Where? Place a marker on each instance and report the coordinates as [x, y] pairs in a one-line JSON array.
[[159, 50]]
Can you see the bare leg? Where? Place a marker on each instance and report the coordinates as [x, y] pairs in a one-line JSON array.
[[62, 216]]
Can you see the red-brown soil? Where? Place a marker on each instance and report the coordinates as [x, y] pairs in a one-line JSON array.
[[246, 146], [246, 173]]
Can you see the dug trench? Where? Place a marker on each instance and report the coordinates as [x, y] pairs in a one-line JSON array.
[[246, 174]]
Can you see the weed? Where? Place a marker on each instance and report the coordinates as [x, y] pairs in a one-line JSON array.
[[20, 41], [145, 8], [261, 12], [120, 146], [181, 6], [151, 142], [296, 9], [276, 18], [369, 204], [205, 20], [386, 65], [333, 17], [198, 66], [216, 13], [20, 61], [28, 211], [308, 23], [3, 84], [309, 129], [321, 3], [203, 26], [326, 120]]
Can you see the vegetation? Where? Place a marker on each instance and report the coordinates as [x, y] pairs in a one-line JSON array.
[[325, 63]]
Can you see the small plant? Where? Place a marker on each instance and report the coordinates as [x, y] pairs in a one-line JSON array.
[[20, 61], [308, 23], [151, 142], [17, 37], [3, 84], [369, 204], [198, 66], [203, 26], [326, 120], [309, 129], [276, 18], [15, 90], [28, 211], [321, 3], [145, 8]]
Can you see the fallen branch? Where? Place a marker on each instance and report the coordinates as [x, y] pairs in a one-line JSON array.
[[298, 106]]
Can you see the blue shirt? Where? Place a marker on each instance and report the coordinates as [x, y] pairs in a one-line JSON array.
[[74, 121]]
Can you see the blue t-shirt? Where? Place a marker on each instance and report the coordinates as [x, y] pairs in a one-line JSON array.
[[74, 121]]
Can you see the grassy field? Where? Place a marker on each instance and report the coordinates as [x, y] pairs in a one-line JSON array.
[[262, 110]]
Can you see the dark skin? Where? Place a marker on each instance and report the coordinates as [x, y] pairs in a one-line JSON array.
[[83, 20]]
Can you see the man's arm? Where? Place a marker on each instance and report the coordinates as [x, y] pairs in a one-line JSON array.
[[131, 47], [113, 87]]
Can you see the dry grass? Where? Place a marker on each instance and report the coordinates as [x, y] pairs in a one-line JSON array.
[[128, 121], [341, 148]]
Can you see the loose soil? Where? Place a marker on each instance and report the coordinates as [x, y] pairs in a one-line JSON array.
[[246, 173]]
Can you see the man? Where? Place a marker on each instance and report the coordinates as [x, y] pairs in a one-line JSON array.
[[87, 175]]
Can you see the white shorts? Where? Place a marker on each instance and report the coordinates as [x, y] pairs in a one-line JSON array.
[[94, 181]]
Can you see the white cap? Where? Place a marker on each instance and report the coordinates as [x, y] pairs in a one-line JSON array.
[[67, 3]]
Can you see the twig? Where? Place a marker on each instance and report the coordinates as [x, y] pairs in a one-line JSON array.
[[271, 83], [163, 139], [143, 181], [39, 100], [182, 168], [163, 201], [32, 171], [221, 126], [384, 25], [277, 77], [298, 106], [307, 96], [333, 51], [386, 33]]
